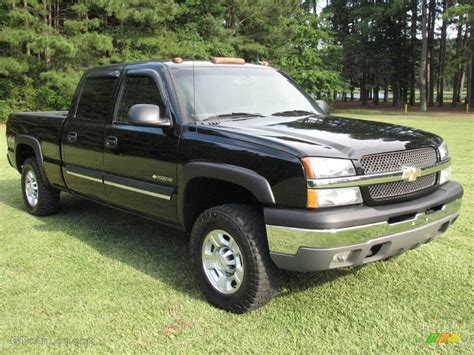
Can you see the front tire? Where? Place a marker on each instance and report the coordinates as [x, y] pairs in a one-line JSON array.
[[230, 253], [38, 198]]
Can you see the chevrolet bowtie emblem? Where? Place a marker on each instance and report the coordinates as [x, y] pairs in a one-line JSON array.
[[410, 173]]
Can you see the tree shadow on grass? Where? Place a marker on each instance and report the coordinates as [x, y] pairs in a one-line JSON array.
[[156, 250]]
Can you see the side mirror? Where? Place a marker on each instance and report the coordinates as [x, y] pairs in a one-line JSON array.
[[324, 106], [147, 115]]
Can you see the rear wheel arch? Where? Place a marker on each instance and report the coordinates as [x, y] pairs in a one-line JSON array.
[[29, 147]]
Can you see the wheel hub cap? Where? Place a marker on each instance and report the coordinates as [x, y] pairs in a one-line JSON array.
[[222, 261], [31, 188]]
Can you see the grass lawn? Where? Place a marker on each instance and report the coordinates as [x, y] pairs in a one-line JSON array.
[[123, 284]]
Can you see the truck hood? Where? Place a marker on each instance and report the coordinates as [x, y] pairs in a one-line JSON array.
[[328, 136]]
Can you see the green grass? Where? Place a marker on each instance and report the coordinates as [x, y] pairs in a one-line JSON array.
[[126, 284]]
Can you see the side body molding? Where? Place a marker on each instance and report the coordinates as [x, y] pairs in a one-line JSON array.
[[36, 145]]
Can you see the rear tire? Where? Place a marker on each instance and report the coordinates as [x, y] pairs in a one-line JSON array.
[[38, 198], [230, 254]]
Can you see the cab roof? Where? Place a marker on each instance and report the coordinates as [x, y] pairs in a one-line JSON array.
[[172, 64]]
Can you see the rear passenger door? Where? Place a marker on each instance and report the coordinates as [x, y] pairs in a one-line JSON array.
[[83, 134], [140, 161]]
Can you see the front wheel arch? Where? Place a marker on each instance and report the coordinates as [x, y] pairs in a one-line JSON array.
[[254, 187]]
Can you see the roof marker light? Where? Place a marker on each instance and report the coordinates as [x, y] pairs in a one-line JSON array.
[[227, 60]]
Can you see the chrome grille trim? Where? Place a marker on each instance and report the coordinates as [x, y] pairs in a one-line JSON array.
[[395, 161], [364, 180]]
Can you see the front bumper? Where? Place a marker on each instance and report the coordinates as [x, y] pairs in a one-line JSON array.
[[305, 240]]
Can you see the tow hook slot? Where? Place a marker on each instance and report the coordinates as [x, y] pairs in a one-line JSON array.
[[374, 250], [434, 209], [401, 218]]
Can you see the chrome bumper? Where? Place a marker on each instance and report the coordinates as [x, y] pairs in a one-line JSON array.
[[313, 249]]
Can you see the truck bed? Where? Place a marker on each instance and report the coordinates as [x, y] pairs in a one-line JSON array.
[[45, 128]]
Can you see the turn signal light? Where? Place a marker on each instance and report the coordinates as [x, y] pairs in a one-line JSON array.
[[312, 199], [227, 60]]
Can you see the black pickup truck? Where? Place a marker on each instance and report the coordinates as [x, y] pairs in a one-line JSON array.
[[237, 154]]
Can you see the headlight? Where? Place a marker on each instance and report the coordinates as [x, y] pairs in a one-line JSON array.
[[334, 197], [443, 151], [324, 168], [320, 168], [444, 176]]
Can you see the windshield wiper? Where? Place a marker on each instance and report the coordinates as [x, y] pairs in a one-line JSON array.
[[233, 115], [294, 113]]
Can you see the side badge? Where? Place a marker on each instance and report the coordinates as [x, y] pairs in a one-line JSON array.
[[161, 178]]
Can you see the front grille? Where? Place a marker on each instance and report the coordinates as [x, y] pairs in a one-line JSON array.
[[400, 188], [396, 161]]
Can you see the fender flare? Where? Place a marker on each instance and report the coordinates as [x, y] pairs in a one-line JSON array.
[[237, 175], [36, 146]]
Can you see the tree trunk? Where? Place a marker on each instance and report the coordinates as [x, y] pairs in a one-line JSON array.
[[396, 94], [430, 76], [458, 73], [45, 12], [352, 90], [442, 59], [424, 50], [461, 84], [414, 11], [363, 88], [470, 81], [27, 44]]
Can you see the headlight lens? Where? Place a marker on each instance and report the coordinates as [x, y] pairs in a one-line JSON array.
[[445, 176], [334, 197], [320, 168], [443, 151]]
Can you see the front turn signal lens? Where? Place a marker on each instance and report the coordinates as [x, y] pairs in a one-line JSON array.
[[445, 176], [312, 199], [334, 197]]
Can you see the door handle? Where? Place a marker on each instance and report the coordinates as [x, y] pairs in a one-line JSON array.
[[72, 137], [111, 142]]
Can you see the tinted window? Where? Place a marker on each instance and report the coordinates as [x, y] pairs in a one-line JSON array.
[[97, 98], [138, 89], [207, 92]]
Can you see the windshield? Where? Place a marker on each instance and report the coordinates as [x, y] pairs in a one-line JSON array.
[[239, 92]]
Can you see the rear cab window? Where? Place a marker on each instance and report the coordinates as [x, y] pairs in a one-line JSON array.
[[97, 98]]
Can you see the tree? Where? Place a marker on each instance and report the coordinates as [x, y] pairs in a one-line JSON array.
[[442, 57], [413, 50], [431, 58], [45, 45], [424, 50]]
